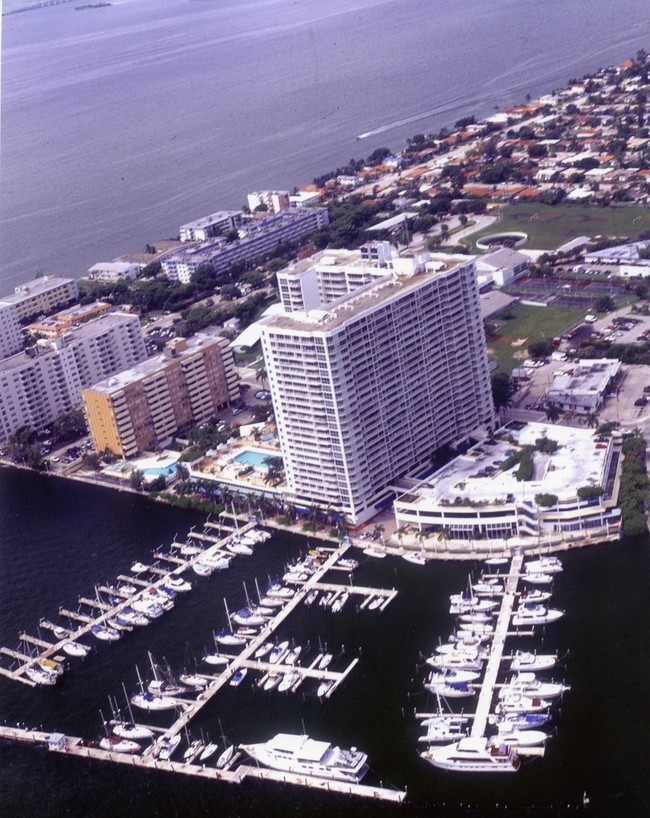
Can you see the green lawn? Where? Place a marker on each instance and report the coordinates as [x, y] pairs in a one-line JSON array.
[[549, 227], [531, 323]]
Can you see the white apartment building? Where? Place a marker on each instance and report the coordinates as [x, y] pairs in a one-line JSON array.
[[42, 296], [114, 271], [36, 388], [257, 237], [368, 386], [274, 200], [10, 331], [208, 227]]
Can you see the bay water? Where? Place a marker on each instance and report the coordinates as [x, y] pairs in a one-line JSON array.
[[121, 123], [59, 539]]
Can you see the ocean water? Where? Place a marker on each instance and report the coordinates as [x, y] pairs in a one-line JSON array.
[[58, 539], [121, 123]]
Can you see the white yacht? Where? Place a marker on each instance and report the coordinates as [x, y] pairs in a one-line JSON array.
[[530, 614], [473, 755], [525, 660], [303, 755], [119, 745]]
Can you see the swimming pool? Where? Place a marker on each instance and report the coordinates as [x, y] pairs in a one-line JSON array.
[[253, 458], [166, 471]]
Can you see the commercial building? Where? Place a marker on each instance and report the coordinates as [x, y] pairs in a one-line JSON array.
[[368, 385], [582, 387], [10, 331], [209, 227], [145, 406], [257, 237], [36, 387], [42, 296], [66, 320], [571, 491]]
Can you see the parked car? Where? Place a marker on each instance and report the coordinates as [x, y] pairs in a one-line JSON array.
[[642, 401]]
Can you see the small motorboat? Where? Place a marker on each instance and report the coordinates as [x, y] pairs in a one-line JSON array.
[[272, 680], [374, 552], [179, 584], [524, 660], [375, 603], [240, 549], [325, 661], [325, 600], [289, 680], [340, 601], [324, 688], [311, 596], [292, 655], [139, 568], [538, 579], [278, 652], [238, 676], [519, 738], [168, 746], [348, 564], [495, 561], [202, 569], [518, 721], [267, 647], [280, 591]]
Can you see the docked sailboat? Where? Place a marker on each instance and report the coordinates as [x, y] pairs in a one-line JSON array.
[[303, 755], [117, 744], [76, 649], [150, 701], [130, 730]]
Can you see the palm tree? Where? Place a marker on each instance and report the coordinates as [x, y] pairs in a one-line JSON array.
[[553, 412], [591, 419], [262, 375], [379, 529]]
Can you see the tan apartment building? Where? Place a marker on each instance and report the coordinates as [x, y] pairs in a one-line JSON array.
[[144, 407]]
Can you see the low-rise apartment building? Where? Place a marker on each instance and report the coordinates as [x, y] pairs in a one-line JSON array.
[[257, 237], [42, 296]]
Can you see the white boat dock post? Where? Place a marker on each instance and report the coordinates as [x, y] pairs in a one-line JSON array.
[[498, 643]]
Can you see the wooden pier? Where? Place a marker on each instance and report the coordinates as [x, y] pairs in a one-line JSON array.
[[486, 694], [74, 746]]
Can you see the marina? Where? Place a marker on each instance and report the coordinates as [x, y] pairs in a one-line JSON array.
[[498, 733], [275, 664]]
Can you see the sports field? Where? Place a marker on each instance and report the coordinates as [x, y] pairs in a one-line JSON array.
[[507, 346], [550, 227]]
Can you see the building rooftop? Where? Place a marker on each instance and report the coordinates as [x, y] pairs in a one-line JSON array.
[[589, 376], [177, 348], [579, 461], [35, 287], [206, 221], [367, 297]]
